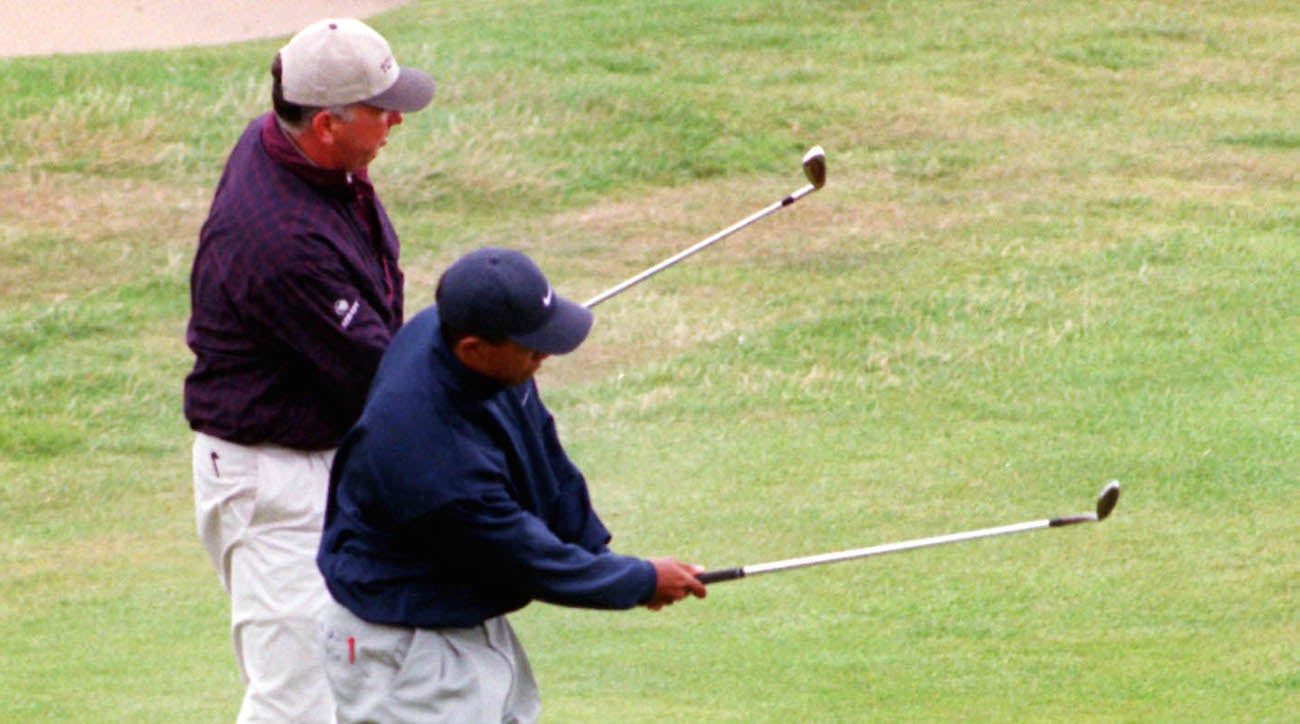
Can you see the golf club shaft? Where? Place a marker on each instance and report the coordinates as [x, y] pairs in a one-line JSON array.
[[670, 261], [730, 574]]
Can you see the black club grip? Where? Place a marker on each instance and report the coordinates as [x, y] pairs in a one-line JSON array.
[[724, 574]]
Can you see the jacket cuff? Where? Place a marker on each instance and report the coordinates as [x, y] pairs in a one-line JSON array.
[[652, 582]]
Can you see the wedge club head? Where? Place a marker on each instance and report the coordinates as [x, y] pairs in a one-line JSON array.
[[1107, 500], [814, 166]]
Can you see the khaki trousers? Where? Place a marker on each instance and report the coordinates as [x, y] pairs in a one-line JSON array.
[[260, 511], [393, 674]]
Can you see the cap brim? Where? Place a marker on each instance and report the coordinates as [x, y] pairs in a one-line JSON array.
[[412, 92], [563, 332]]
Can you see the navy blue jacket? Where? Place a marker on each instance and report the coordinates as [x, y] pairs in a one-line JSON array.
[[451, 501]]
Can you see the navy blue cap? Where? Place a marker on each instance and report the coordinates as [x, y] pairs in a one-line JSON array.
[[500, 293]]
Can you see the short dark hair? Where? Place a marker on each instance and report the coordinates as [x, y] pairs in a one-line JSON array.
[[292, 114]]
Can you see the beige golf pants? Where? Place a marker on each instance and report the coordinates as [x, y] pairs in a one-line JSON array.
[[260, 511], [379, 673]]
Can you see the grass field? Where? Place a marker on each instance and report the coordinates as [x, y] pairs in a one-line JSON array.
[[1058, 245]]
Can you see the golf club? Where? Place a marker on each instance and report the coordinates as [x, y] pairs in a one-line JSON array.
[[814, 167], [1105, 504]]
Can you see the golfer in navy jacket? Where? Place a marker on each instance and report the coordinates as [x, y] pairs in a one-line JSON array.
[[452, 503]]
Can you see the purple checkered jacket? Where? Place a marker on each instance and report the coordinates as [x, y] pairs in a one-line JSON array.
[[295, 292]]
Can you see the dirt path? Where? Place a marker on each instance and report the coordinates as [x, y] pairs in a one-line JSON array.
[[45, 27]]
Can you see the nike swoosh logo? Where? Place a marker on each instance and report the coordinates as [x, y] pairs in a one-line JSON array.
[[550, 294]]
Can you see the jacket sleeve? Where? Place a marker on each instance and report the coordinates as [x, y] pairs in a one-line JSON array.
[[308, 303], [508, 546], [573, 518]]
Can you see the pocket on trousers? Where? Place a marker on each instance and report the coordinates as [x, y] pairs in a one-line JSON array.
[[225, 496], [364, 663]]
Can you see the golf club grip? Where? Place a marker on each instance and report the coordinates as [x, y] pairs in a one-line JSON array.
[[724, 574]]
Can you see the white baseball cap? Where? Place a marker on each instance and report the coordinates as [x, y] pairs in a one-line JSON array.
[[336, 62]]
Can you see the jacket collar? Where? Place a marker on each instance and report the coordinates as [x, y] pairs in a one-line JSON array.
[[285, 152]]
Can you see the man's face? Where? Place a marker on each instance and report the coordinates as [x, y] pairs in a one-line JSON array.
[[508, 362], [357, 141]]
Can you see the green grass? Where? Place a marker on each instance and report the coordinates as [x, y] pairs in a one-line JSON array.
[[1058, 245]]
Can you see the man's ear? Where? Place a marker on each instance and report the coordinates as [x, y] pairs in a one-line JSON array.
[[324, 126], [470, 349]]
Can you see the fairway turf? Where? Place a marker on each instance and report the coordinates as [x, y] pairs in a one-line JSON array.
[[1058, 244]]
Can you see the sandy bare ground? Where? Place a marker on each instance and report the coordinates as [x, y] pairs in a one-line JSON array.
[[45, 27]]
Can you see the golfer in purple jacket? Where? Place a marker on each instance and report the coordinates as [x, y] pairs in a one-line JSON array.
[[452, 503], [295, 293]]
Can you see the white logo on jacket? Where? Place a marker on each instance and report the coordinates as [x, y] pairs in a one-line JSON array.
[[346, 311]]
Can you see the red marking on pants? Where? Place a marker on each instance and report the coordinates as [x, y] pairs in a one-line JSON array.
[[352, 650]]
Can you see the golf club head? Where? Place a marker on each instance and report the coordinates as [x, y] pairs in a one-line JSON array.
[[814, 166], [1107, 500]]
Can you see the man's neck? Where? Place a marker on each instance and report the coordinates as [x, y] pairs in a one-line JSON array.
[[296, 140]]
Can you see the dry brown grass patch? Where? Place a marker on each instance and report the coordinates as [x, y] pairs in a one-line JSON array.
[[91, 231]]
